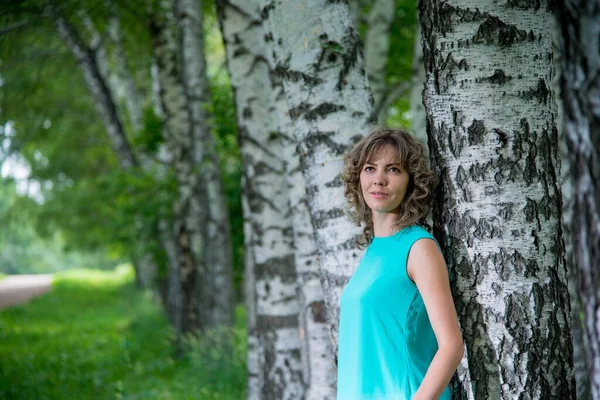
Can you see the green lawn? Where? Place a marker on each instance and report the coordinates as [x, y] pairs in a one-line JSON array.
[[94, 336]]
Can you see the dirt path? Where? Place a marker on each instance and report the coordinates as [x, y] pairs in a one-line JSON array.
[[19, 289]]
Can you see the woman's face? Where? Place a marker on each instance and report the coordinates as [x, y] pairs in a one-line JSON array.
[[383, 181]]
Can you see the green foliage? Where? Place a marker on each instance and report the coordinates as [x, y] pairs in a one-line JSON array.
[[228, 149], [402, 50], [22, 250], [401, 54], [94, 336]]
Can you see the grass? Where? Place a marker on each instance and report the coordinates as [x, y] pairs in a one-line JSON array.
[[2, 276], [94, 336]]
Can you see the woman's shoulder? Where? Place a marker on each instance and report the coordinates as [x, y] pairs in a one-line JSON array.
[[415, 231]]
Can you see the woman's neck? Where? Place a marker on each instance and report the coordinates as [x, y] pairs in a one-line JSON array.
[[383, 224]]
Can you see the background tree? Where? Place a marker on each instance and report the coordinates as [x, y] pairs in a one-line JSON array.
[[274, 345], [578, 22], [491, 124], [329, 101]]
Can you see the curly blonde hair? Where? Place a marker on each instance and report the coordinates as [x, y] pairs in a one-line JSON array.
[[417, 201]]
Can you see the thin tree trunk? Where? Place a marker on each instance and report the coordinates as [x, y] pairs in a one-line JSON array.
[[217, 305], [329, 101], [86, 58], [131, 95], [180, 142], [274, 340], [580, 85], [491, 123], [317, 351], [377, 46]]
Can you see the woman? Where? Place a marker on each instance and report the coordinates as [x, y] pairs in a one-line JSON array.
[[399, 336]]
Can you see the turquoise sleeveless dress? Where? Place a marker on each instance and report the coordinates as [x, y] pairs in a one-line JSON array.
[[386, 342]]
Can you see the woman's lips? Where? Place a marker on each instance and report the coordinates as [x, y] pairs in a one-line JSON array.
[[379, 195]]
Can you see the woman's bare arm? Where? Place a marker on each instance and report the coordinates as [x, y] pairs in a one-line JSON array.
[[427, 268]]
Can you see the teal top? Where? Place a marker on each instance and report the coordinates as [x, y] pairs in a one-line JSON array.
[[386, 342]]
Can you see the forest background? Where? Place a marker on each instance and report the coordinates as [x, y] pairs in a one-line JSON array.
[[167, 136]]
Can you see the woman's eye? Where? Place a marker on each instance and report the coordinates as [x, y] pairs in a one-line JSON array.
[[394, 170], [368, 169]]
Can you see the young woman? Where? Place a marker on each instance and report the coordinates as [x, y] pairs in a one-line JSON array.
[[399, 336]]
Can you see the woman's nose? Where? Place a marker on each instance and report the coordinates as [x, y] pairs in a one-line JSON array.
[[379, 179]]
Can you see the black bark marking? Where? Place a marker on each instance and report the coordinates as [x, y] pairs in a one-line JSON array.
[[532, 213], [502, 136], [541, 92], [456, 142], [264, 14], [321, 218], [315, 139], [525, 4], [318, 311], [476, 132], [493, 31], [282, 267], [282, 69], [336, 182], [499, 78], [478, 172], [311, 114]]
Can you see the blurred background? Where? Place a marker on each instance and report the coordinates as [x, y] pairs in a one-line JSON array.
[[89, 181]]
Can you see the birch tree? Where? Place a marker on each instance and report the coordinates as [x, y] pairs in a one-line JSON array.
[[217, 305], [274, 363], [491, 123], [579, 23], [262, 103], [190, 207], [328, 98]]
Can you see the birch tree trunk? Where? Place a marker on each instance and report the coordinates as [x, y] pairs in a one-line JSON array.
[[322, 69], [580, 85], [491, 123], [180, 142], [275, 367], [217, 305], [172, 298], [131, 95], [377, 46], [319, 366], [96, 83]]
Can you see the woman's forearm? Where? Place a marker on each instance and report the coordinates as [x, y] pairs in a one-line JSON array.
[[439, 373]]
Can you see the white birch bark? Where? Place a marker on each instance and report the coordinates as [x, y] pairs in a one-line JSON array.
[[217, 308], [180, 143], [579, 23], [318, 357], [377, 46], [491, 123], [274, 339], [322, 69], [130, 93], [172, 296]]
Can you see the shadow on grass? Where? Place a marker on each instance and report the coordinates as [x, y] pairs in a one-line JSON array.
[[95, 336]]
